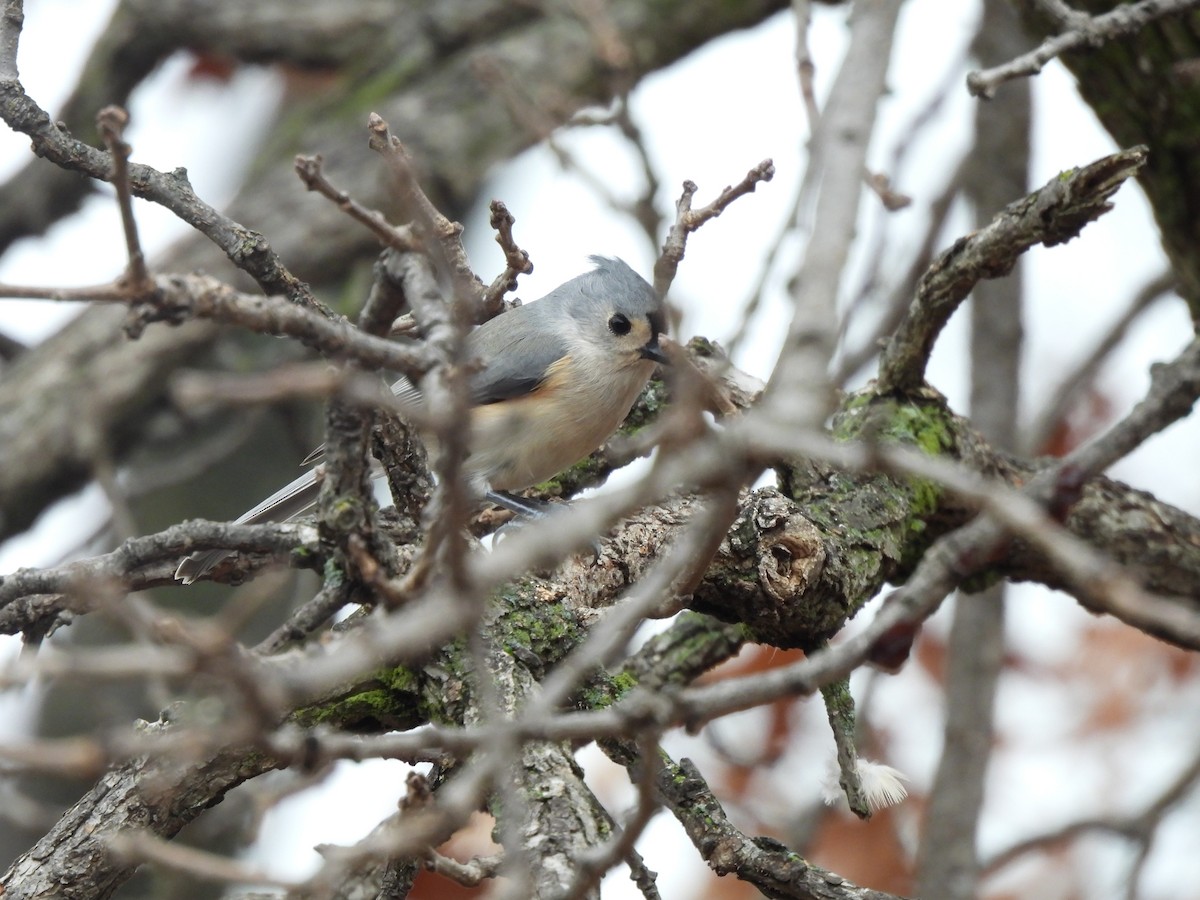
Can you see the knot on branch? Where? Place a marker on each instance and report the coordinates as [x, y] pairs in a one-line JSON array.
[[766, 572], [791, 552]]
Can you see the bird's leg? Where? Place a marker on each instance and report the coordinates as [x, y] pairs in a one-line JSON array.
[[529, 508]]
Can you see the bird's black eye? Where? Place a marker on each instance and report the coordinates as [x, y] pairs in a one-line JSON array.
[[618, 324]]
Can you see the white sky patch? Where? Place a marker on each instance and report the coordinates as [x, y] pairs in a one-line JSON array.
[[343, 810]]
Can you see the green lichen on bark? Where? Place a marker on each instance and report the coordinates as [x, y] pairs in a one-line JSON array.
[[391, 699], [527, 622], [839, 709], [880, 514], [692, 645], [530, 623], [603, 690]]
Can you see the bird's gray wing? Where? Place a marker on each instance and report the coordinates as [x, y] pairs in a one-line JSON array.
[[515, 350]]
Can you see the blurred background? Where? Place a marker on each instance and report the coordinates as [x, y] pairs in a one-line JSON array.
[[1093, 721]]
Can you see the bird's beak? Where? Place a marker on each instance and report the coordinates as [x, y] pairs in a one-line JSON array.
[[654, 352]]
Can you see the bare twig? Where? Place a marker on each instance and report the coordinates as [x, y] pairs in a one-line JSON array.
[[839, 710], [178, 297], [877, 255], [516, 260], [305, 620], [899, 298], [441, 236], [1139, 828], [514, 810], [948, 856], [311, 172], [1060, 13], [138, 563], [775, 869], [445, 325], [892, 199], [541, 118], [644, 209], [247, 250], [471, 873], [799, 390], [687, 220], [648, 769], [10, 35], [805, 68], [111, 122], [142, 846], [109, 293]]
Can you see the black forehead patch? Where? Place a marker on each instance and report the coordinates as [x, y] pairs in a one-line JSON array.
[[658, 322]]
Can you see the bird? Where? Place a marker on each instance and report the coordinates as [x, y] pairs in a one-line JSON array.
[[553, 380]]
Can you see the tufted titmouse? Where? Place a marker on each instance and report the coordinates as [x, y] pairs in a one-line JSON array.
[[556, 378]]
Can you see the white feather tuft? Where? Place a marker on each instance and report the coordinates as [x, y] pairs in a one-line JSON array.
[[882, 785]]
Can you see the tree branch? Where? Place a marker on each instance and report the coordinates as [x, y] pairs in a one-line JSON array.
[[1052, 215], [1081, 31]]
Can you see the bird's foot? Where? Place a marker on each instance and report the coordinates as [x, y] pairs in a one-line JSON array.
[[529, 509]]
